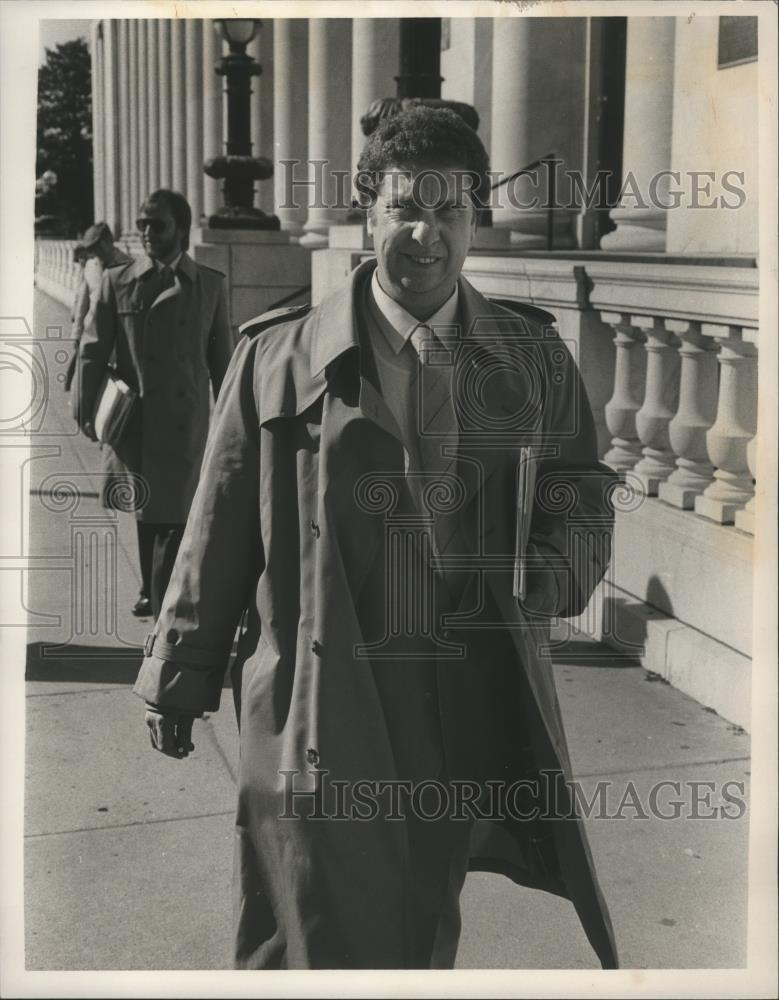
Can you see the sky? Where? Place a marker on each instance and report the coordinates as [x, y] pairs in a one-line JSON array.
[[55, 32]]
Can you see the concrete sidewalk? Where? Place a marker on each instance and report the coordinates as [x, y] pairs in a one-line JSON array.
[[128, 854]]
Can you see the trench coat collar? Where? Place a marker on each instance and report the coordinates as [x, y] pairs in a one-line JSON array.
[[143, 266], [333, 337]]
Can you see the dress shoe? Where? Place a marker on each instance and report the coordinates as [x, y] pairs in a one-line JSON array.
[[142, 607]]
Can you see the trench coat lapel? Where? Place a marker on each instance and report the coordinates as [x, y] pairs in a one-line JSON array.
[[362, 444], [488, 437]]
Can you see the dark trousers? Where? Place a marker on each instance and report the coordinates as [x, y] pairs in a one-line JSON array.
[[158, 546]]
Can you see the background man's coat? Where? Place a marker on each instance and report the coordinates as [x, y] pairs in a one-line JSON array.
[[277, 529], [165, 347]]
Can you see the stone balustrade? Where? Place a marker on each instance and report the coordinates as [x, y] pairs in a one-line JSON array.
[[682, 417], [56, 272]]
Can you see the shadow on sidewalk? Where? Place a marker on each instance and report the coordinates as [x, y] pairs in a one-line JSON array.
[[48, 661]]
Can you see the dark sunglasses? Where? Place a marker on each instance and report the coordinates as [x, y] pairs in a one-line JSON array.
[[157, 226]]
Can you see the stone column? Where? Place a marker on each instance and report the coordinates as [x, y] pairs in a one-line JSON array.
[[538, 93], [375, 48], [112, 214], [290, 119], [212, 114], [661, 399], [626, 400], [694, 415], [734, 428], [166, 124], [646, 146], [329, 126], [152, 65], [178, 106], [97, 119], [132, 121], [143, 115], [193, 33], [126, 215]]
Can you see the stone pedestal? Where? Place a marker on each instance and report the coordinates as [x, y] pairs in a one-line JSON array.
[[262, 267]]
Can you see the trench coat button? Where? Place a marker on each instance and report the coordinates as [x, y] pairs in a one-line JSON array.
[[314, 529], [312, 756], [316, 647]]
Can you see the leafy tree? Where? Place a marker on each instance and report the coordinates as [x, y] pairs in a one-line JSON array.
[[64, 137]]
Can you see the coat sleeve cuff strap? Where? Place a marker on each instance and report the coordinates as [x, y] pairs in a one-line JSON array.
[[179, 653]]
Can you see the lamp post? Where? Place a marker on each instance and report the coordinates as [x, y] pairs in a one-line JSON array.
[[238, 167]]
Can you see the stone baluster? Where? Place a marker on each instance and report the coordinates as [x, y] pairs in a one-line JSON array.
[[727, 440], [745, 519], [628, 395], [694, 416], [661, 400]]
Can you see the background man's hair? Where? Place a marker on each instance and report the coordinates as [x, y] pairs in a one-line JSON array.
[[424, 137], [177, 205]]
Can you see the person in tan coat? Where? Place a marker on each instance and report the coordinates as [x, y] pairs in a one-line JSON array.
[[357, 514], [162, 321]]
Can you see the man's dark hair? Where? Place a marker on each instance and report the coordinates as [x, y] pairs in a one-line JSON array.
[[177, 205], [423, 137]]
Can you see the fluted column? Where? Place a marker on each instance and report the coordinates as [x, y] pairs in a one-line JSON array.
[[194, 95], [132, 121], [290, 118], [527, 122], [329, 126], [111, 125], [628, 395], [143, 115], [375, 48], [735, 426], [661, 400], [694, 416], [178, 105], [166, 124], [97, 119], [154, 104], [212, 114], [123, 53], [646, 148]]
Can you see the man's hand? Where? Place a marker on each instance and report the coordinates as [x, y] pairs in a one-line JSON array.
[[170, 731]]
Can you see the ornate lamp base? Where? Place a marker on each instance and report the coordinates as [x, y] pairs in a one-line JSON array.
[[237, 217]]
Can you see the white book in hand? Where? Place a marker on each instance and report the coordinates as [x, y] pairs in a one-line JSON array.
[[114, 405]]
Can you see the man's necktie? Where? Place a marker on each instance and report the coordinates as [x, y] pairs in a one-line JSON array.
[[437, 434], [167, 279]]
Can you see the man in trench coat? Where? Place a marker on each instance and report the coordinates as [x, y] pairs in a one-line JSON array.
[[162, 319], [358, 515]]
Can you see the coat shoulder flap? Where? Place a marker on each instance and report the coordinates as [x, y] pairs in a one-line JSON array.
[[282, 341], [527, 311], [209, 272], [252, 327]]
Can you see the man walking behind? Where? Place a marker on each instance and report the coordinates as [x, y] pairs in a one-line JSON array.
[[359, 508], [95, 251], [161, 321]]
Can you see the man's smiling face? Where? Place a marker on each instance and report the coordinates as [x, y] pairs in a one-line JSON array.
[[423, 223]]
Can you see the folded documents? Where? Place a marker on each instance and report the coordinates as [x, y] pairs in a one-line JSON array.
[[114, 405], [526, 485]]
